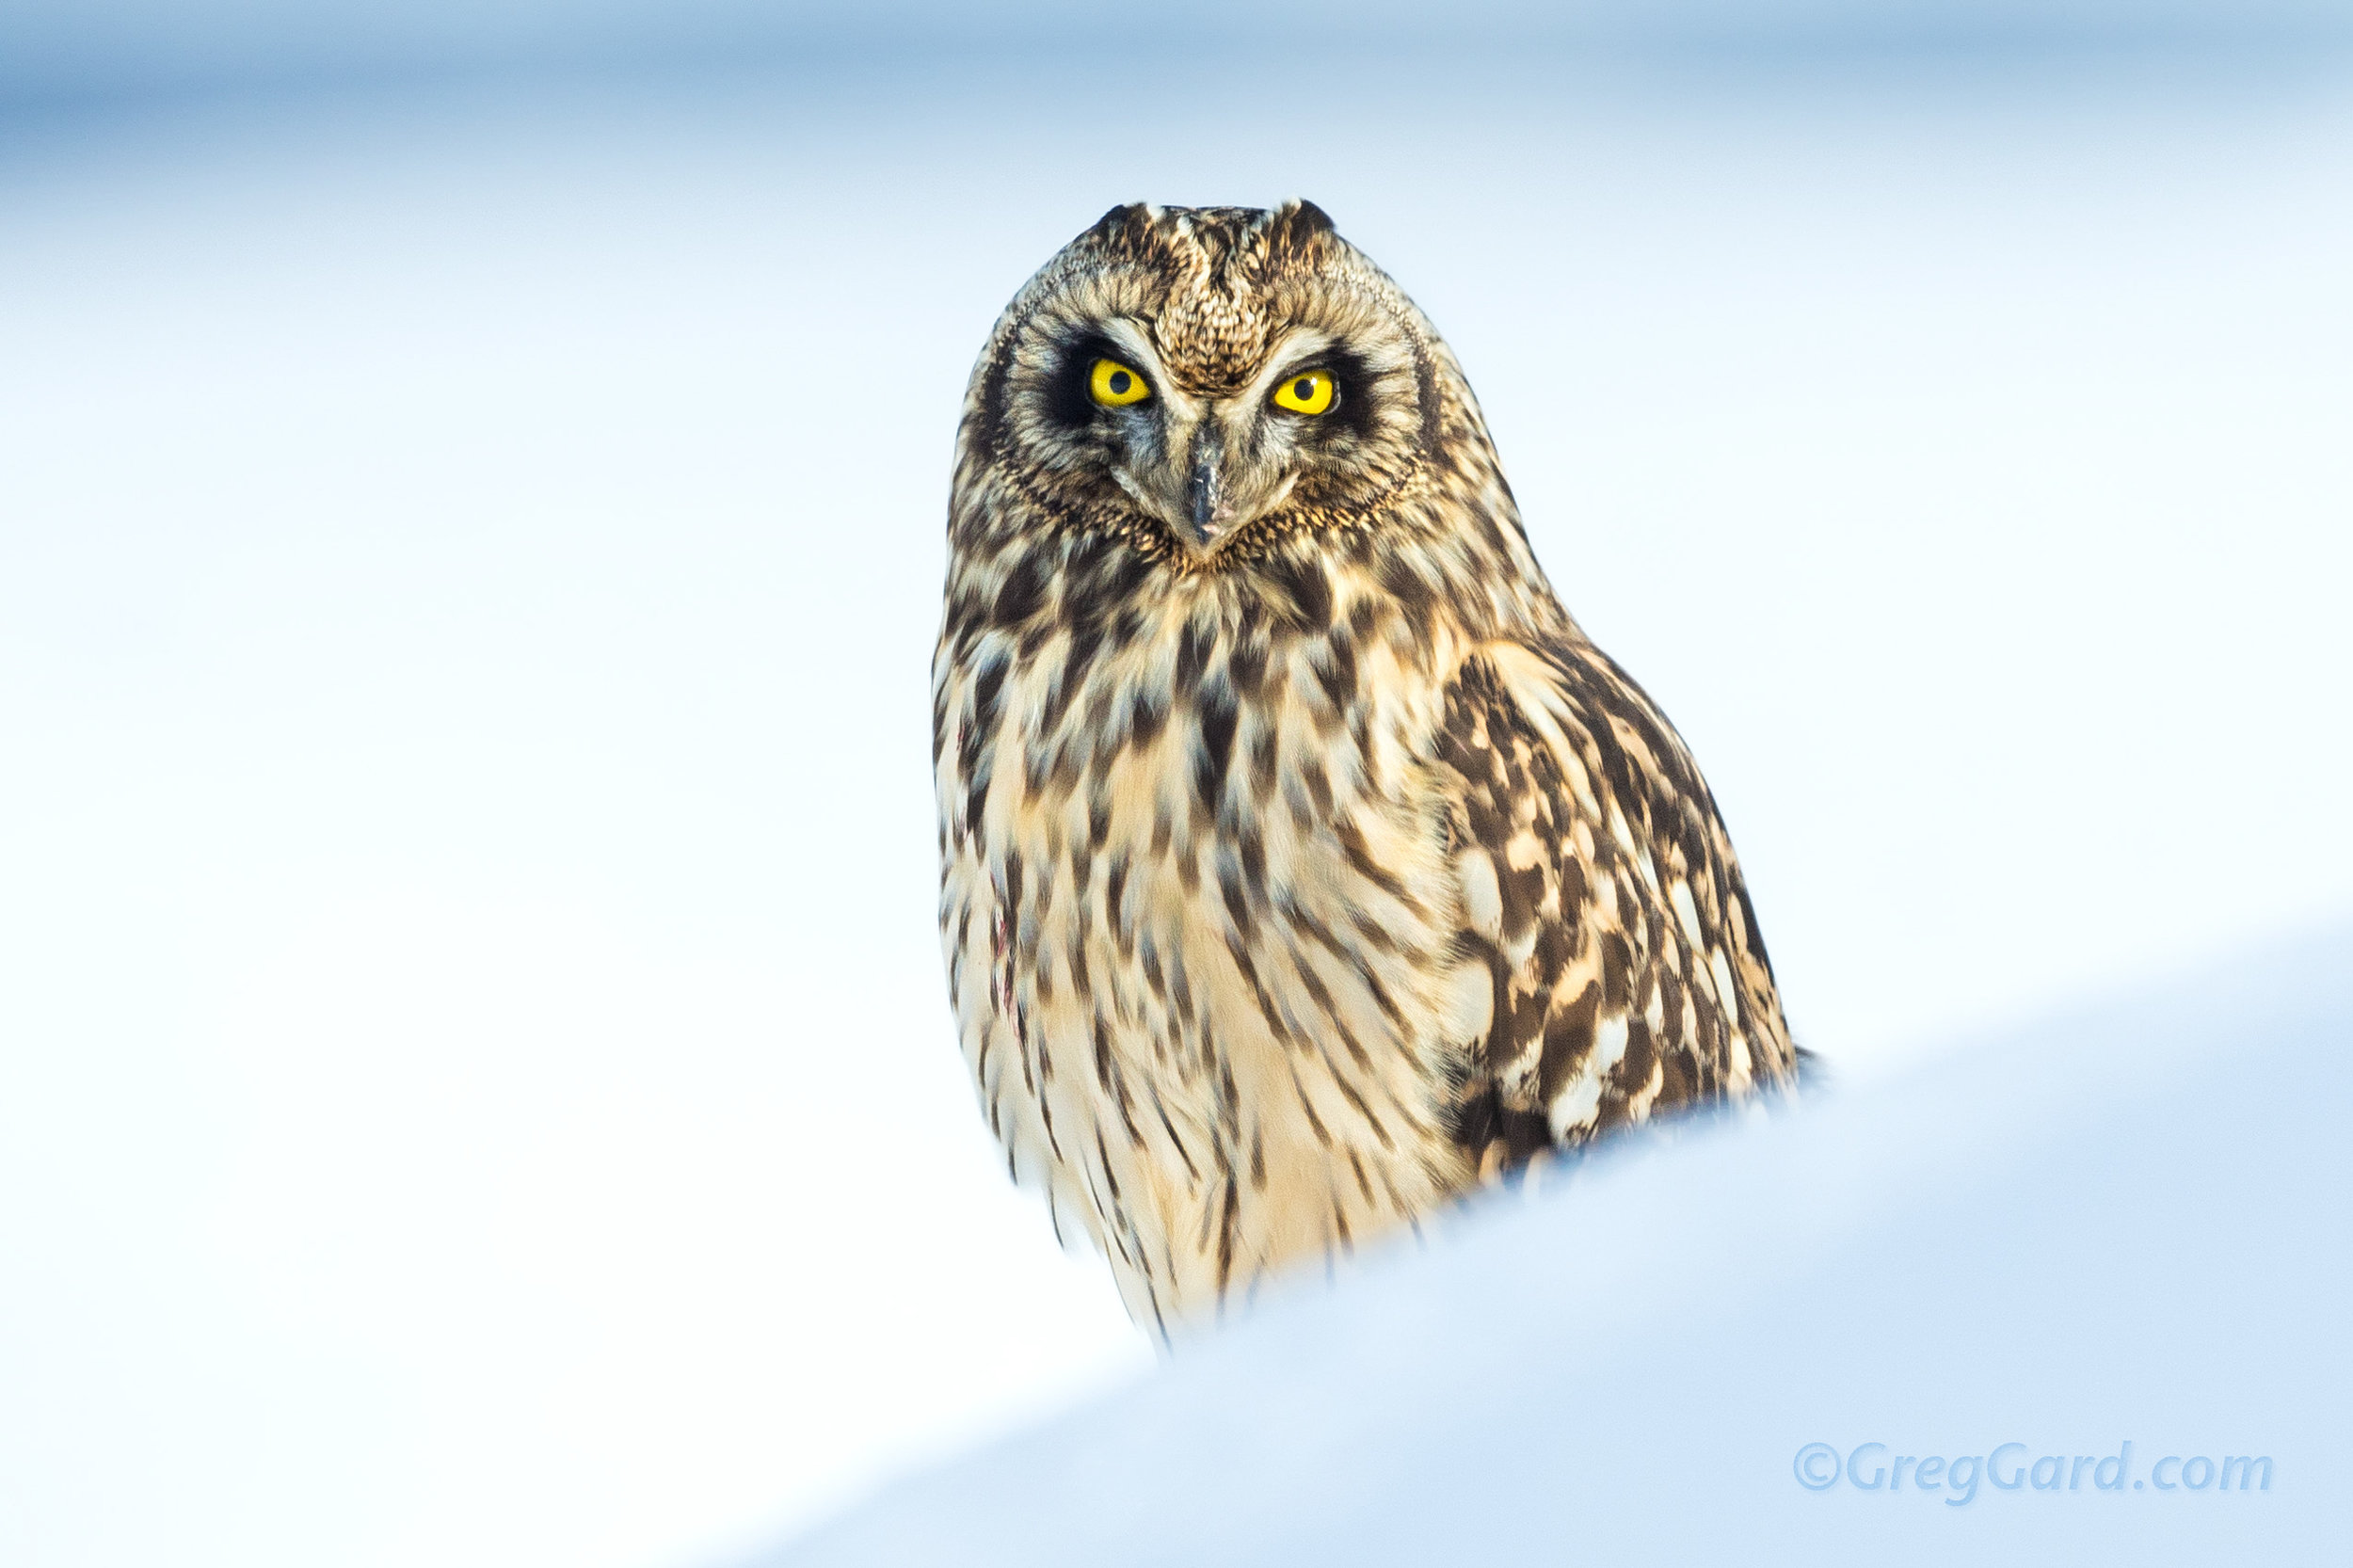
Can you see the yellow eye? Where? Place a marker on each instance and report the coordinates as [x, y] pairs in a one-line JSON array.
[[1115, 386], [1307, 393]]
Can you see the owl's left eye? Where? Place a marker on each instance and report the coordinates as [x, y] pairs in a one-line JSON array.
[[1310, 392], [1115, 386]]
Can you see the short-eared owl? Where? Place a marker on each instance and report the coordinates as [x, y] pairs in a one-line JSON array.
[[1303, 864]]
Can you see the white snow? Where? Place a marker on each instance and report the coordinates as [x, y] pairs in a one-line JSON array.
[[2124, 1226]]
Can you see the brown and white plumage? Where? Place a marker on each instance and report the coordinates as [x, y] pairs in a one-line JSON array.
[[1303, 864]]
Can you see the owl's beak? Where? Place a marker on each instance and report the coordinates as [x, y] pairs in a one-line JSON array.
[[1208, 506]]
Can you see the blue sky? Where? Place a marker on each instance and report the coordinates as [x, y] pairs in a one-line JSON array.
[[49, 48]]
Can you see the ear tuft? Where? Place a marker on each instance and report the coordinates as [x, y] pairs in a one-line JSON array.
[[1300, 228], [1123, 225], [1304, 217]]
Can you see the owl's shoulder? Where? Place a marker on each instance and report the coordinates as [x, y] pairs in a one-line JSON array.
[[1600, 888]]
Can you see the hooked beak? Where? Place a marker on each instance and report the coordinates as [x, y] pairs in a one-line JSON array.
[[1208, 507]]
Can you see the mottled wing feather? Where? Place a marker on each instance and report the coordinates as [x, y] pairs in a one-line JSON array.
[[1600, 888]]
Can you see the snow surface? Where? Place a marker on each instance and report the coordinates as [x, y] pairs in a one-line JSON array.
[[2122, 1226]]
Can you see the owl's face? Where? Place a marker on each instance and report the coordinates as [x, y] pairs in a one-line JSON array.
[[1186, 373]]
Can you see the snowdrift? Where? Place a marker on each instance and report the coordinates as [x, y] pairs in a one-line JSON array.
[[2077, 1294]]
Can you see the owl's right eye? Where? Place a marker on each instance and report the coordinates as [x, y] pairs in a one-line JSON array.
[[1115, 386]]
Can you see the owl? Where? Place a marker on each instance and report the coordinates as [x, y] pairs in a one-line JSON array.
[[1302, 866]]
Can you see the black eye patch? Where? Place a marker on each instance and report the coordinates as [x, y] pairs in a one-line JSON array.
[[1068, 402], [1351, 410]]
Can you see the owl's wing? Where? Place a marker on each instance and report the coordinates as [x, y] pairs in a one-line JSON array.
[[1599, 885]]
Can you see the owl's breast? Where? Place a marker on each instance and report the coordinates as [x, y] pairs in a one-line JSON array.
[[1199, 923]]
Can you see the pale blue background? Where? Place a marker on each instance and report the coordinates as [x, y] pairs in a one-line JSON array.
[[474, 1085], [111, 46]]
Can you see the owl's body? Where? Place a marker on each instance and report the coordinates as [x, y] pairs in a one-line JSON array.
[[1303, 866]]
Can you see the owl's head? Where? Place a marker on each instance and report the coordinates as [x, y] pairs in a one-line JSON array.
[[1187, 376]]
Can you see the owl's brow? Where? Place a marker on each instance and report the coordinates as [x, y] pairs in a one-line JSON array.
[[1302, 348], [1127, 339]]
